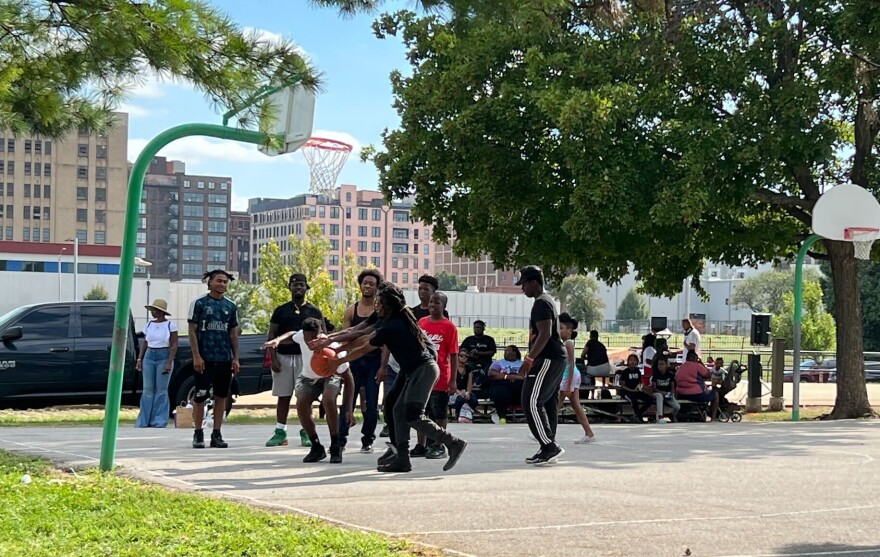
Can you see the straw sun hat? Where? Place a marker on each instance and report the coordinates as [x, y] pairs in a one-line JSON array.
[[159, 304]]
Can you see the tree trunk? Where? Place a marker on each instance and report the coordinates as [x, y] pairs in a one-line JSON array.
[[852, 393]]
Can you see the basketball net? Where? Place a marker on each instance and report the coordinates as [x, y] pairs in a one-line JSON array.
[[325, 158], [862, 240]]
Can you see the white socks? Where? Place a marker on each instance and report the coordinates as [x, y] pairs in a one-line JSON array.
[[279, 425]]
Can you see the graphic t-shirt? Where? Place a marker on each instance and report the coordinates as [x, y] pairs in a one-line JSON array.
[[506, 366], [444, 335], [481, 343], [631, 377], [664, 382], [543, 310], [300, 341], [215, 318], [290, 317], [403, 342]]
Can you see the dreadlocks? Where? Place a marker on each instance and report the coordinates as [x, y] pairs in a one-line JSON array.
[[395, 304]]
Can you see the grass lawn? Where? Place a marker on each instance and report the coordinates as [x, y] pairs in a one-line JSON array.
[[73, 417], [90, 513], [809, 413]]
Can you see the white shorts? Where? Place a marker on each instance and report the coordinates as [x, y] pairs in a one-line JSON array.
[[601, 370], [575, 382], [283, 381]]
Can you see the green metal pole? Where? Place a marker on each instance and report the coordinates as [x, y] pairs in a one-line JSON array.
[[126, 266], [798, 310]]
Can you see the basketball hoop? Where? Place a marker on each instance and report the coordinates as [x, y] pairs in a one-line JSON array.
[[325, 157], [862, 240]]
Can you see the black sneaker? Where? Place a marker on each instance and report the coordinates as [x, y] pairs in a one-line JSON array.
[[198, 439], [384, 432], [550, 455], [366, 448], [436, 452], [418, 451], [335, 454], [343, 441], [455, 449], [399, 464], [217, 441], [317, 454], [387, 457]]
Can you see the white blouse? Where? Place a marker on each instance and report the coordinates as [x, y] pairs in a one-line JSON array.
[[158, 335]]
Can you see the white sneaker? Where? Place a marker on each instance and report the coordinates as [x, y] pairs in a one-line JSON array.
[[662, 421], [585, 440], [495, 419]]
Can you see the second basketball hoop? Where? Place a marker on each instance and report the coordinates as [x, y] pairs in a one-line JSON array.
[[325, 157]]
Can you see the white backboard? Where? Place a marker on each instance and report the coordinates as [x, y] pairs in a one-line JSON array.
[[845, 206], [295, 109]]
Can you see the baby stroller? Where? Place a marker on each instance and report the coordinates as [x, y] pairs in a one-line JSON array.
[[730, 411]]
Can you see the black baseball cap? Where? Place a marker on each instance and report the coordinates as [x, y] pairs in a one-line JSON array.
[[530, 272], [298, 277]]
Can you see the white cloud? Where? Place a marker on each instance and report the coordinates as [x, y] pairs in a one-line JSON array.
[[137, 111], [198, 150], [149, 86]]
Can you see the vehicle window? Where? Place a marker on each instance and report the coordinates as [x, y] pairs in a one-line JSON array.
[[829, 364], [50, 323], [97, 321]]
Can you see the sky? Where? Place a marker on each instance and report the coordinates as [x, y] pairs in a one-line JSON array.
[[354, 106]]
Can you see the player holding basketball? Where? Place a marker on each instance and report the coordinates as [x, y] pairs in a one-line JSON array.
[[310, 385]]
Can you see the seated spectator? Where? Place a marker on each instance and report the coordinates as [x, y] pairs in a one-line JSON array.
[[690, 383], [716, 368], [506, 383], [480, 347], [631, 388], [663, 387], [464, 386], [596, 356]]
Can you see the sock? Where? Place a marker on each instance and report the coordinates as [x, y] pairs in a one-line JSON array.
[[279, 425]]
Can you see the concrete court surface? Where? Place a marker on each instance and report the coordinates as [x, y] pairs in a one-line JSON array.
[[640, 490]]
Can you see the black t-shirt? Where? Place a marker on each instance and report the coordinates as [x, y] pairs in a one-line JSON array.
[[461, 380], [483, 343], [664, 382], [370, 319], [631, 377], [597, 354], [544, 309], [419, 312], [397, 334], [289, 317]]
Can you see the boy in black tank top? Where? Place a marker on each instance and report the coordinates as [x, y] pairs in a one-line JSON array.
[[364, 369]]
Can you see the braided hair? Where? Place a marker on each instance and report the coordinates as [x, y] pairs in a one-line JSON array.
[[395, 304]]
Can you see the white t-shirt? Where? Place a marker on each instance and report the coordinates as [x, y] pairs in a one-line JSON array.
[[648, 356], [693, 337], [158, 335], [299, 338]]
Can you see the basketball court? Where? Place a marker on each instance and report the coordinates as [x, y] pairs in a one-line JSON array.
[[653, 490]]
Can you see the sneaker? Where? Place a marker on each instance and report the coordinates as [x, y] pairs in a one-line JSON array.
[[384, 432], [217, 441], [585, 440], [198, 439], [316, 454], [387, 457], [496, 419], [335, 454], [456, 448], [399, 464], [418, 451], [366, 448], [533, 458], [549, 456], [436, 452], [662, 421], [278, 439], [304, 438]]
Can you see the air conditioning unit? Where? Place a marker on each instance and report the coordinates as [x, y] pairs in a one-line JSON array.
[[714, 273]]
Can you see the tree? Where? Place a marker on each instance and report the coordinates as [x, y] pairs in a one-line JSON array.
[[451, 282], [242, 295], [763, 293], [525, 123], [632, 307], [69, 63], [97, 292], [817, 325], [579, 296], [869, 293]]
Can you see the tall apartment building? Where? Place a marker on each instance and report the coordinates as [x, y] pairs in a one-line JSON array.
[[239, 262], [52, 190], [184, 223], [480, 273], [379, 235]]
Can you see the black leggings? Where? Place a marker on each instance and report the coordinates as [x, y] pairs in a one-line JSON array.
[[406, 401], [640, 402]]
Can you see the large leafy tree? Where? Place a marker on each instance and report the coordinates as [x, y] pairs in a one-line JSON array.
[[763, 293], [451, 282], [68, 63], [869, 291], [579, 296], [817, 325], [633, 306], [594, 136]]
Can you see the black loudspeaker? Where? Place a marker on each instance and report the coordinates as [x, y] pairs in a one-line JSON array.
[[658, 323], [761, 328], [756, 371]]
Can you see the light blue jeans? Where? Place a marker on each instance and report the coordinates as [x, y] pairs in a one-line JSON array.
[[154, 399]]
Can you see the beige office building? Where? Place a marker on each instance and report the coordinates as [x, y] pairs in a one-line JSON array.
[[53, 190]]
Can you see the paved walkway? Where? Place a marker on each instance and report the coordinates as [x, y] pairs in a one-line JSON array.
[[746, 489]]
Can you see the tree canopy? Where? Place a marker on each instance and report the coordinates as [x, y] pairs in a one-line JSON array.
[[817, 325], [763, 293], [632, 307], [451, 282], [579, 296]]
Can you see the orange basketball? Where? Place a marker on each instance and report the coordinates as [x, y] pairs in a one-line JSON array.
[[324, 362]]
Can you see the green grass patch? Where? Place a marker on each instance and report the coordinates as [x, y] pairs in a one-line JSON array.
[[90, 513], [810, 413]]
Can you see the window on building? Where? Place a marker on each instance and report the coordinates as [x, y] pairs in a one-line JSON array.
[[216, 241], [377, 232], [142, 237], [210, 185], [427, 264], [334, 274], [10, 168], [362, 260], [186, 183], [82, 150], [9, 213], [395, 262], [82, 235], [193, 270], [38, 190], [362, 247], [82, 193], [427, 249], [376, 247], [394, 277], [416, 249], [101, 195], [100, 237], [401, 216], [334, 212], [375, 261], [224, 185], [193, 211], [216, 256], [1, 166], [47, 169], [10, 145], [216, 226], [217, 212], [322, 211], [46, 235], [406, 262], [400, 233], [217, 198], [82, 172], [334, 260], [143, 224], [193, 198], [100, 215], [416, 234], [377, 214], [334, 244], [201, 185], [27, 190], [10, 186], [362, 214], [47, 191], [27, 212], [193, 240], [399, 248], [323, 229], [27, 168], [45, 213], [38, 170], [82, 215], [26, 234], [36, 212], [334, 230], [101, 173], [415, 263], [27, 146], [38, 147], [8, 233], [1, 211], [193, 255], [47, 147], [101, 151], [362, 231]]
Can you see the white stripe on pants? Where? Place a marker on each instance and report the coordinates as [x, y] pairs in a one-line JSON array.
[[540, 398]]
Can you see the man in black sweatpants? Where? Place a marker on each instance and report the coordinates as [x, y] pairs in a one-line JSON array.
[[543, 367]]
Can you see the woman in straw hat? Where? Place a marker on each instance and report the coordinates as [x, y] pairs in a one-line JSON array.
[[155, 361]]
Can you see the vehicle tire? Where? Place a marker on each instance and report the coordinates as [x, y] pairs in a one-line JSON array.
[[736, 417]]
